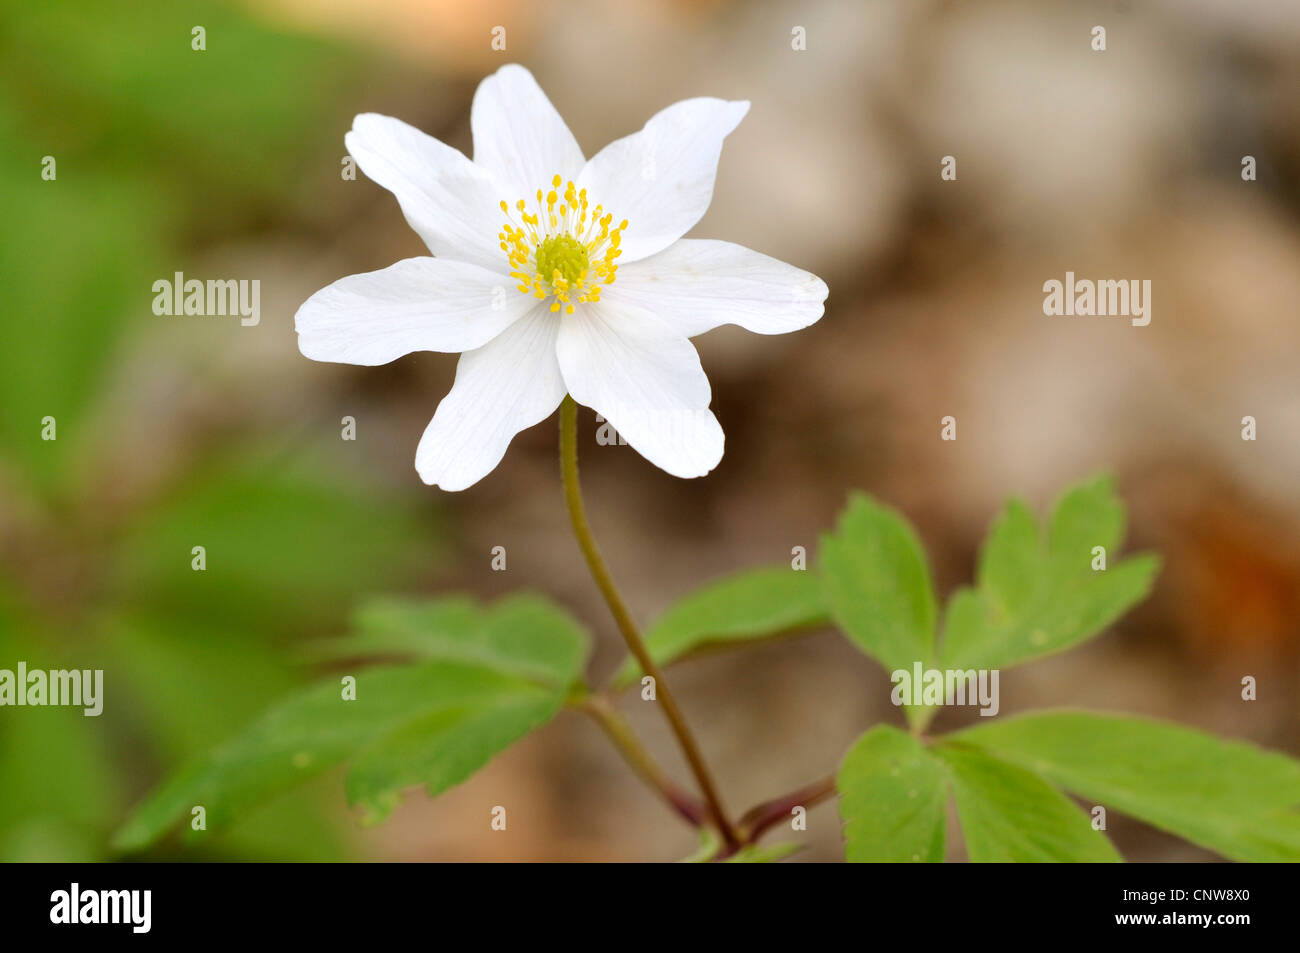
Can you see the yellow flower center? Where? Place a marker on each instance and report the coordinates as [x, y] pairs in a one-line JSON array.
[[563, 255], [564, 248]]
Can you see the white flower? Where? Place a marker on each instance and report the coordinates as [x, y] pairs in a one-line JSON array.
[[555, 273]]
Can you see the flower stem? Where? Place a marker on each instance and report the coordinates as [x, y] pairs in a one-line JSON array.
[[626, 626], [759, 819], [614, 725]]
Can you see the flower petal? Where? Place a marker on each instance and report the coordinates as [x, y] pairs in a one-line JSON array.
[[661, 178], [451, 203], [418, 304], [519, 136], [646, 380], [697, 285], [504, 387]]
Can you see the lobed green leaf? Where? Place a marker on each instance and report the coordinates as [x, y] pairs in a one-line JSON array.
[[877, 584], [748, 605], [1009, 814], [1036, 596], [1230, 797], [892, 799], [433, 722]]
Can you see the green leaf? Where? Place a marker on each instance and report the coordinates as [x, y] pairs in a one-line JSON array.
[[877, 584], [1088, 514], [433, 723], [402, 628], [1228, 796], [892, 799], [67, 323], [260, 520], [190, 685], [753, 604], [760, 854], [1036, 597], [1009, 814], [443, 746], [60, 787], [316, 730], [155, 95], [1008, 570], [523, 634], [139, 124]]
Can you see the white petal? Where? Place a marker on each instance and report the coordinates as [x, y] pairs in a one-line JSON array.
[[697, 285], [646, 380], [519, 136], [419, 304], [502, 388], [451, 203], [661, 178]]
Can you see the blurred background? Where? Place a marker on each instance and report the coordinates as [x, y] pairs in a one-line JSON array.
[[175, 431]]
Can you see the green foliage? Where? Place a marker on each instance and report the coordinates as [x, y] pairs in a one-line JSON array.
[[753, 604], [878, 588], [1036, 594], [475, 678], [893, 796], [143, 130], [162, 152], [432, 722], [878, 584], [139, 89], [68, 286], [524, 635], [1227, 796], [260, 521], [186, 687], [45, 814], [1009, 814], [892, 799]]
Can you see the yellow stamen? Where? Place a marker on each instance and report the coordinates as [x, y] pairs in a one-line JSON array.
[[569, 259]]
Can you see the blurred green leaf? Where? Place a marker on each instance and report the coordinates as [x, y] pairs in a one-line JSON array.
[[1011, 815], [241, 116], [445, 745], [145, 131], [74, 255], [892, 799], [394, 627], [1036, 598], [878, 584], [188, 686], [184, 688], [433, 722], [317, 729], [280, 546], [59, 790], [522, 633], [1230, 797], [161, 152], [752, 604]]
